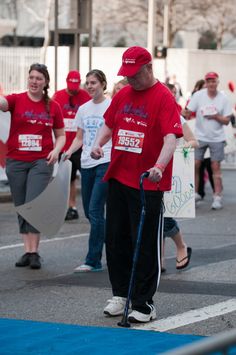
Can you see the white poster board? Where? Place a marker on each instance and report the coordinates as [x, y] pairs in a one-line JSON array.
[[180, 201], [48, 210], [5, 119]]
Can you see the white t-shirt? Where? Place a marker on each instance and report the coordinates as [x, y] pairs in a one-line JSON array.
[[208, 130], [89, 118], [180, 141]]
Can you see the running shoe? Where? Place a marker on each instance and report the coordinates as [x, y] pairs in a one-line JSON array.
[[197, 197], [87, 268], [115, 307], [35, 261], [217, 202], [140, 317], [23, 261]]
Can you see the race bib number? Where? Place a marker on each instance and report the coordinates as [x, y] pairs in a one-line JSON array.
[[31, 142], [70, 125], [208, 110], [129, 141]]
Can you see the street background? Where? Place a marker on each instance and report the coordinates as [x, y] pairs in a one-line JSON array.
[[56, 294]]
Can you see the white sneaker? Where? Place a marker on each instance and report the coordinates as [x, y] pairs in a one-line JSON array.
[[86, 268], [138, 317], [197, 197], [115, 306], [217, 202]]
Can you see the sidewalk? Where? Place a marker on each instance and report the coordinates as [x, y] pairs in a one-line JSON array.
[[54, 295], [5, 194]]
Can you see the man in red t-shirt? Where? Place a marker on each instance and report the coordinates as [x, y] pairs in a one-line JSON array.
[[143, 121], [70, 99]]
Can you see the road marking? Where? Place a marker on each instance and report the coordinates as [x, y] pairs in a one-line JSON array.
[[194, 316], [10, 246]]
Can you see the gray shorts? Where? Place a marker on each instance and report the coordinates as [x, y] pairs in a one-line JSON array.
[[27, 180], [216, 150]]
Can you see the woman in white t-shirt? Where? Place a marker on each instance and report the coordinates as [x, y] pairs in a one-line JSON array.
[[89, 119]]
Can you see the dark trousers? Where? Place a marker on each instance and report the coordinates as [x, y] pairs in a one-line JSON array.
[[206, 164], [123, 217]]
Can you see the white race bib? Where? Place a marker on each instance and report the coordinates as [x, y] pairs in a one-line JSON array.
[[32, 142], [209, 110], [70, 125], [129, 141]]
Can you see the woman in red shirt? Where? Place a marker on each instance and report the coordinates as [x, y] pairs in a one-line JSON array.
[[31, 151]]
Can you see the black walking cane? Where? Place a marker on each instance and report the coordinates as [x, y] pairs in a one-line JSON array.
[[124, 321]]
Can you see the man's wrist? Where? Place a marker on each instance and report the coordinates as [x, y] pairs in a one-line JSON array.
[[160, 166]]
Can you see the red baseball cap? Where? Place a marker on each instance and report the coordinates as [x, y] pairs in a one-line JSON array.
[[73, 80], [211, 75], [133, 59]]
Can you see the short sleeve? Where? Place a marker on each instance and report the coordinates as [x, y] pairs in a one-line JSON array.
[[78, 118], [192, 104]]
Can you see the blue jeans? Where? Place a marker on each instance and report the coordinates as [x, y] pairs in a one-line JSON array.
[[171, 227], [94, 194]]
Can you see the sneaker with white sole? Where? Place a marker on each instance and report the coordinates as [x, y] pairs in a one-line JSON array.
[[197, 197], [217, 203], [115, 307], [139, 317], [87, 268]]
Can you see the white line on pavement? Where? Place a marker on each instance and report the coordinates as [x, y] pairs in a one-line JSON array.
[[10, 246], [194, 316]]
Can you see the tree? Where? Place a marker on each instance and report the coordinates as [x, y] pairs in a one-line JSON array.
[[131, 21], [217, 17], [121, 42], [43, 20], [128, 18], [119, 18], [207, 40]]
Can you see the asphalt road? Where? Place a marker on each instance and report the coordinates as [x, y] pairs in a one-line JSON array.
[[56, 294]]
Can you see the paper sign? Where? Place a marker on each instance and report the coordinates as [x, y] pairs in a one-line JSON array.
[[5, 119], [180, 201], [48, 210]]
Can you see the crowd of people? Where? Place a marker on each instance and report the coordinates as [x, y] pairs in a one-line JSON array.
[[112, 141]]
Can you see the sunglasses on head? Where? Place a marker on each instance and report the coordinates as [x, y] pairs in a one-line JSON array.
[[38, 66]]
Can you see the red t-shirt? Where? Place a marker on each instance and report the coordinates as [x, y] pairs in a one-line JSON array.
[[140, 120], [30, 136], [70, 105]]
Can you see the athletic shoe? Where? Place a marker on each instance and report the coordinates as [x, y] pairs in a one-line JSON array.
[[24, 260], [35, 261], [217, 202], [71, 214], [115, 307], [87, 268], [139, 317], [197, 197]]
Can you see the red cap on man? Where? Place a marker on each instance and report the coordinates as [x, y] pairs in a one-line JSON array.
[[133, 59], [211, 75], [73, 80]]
